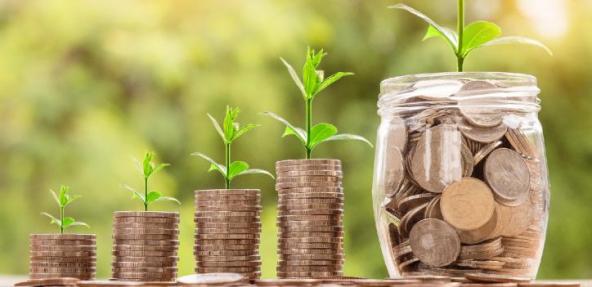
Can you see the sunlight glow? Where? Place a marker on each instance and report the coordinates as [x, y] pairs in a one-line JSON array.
[[549, 16]]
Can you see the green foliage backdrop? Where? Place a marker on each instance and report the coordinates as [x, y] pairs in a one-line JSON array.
[[85, 86]]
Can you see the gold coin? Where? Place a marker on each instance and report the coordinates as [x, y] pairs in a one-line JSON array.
[[515, 219], [482, 233], [434, 242], [467, 204], [483, 134]]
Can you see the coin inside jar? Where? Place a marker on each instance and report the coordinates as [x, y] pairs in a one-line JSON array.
[[434, 242], [436, 161], [508, 175], [467, 204]]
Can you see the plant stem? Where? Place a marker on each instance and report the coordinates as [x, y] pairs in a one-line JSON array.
[[460, 30], [61, 220], [145, 193], [227, 161], [308, 126]]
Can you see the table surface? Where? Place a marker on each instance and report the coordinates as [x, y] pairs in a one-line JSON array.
[[9, 281]]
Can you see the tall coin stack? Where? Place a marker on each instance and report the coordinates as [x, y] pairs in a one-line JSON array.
[[62, 255], [228, 226], [145, 246], [310, 218]]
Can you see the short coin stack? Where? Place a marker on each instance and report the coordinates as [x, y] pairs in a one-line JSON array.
[[145, 246], [228, 226], [62, 255], [310, 214]]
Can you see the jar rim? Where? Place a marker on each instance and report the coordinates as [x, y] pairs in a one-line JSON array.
[[514, 91], [513, 79]]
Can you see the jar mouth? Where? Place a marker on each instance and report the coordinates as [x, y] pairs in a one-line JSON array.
[[502, 90]]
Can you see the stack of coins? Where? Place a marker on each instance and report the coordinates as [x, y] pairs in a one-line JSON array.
[[62, 255], [462, 185], [228, 226], [145, 246], [310, 214]]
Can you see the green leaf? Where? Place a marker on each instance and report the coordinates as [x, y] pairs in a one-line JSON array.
[[478, 33], [79, 223], [168, 198], [229, 124], [236, 168], [294, 76], [244, 130], [290, 129], [331, 80], [55, 197], [217, 127], [341, 137], [213, 164], [63, 195], [321, 132], [257, 171], [147, 164], [310, 75], [152, 196], [67, 222], [445, 33], [518, 40], [159, 167], [135, 194], [53, 219]]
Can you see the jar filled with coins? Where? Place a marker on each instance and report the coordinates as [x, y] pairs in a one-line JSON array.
[[460, 182]]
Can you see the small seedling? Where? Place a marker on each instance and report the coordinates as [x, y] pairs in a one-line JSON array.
[[470, 37], [63, 199], [312, 83], [148, 169], [230, 132]]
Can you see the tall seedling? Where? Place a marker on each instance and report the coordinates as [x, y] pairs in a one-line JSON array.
[[63, 198]]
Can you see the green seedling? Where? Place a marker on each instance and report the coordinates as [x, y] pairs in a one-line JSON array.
[[470, 37], [63, 198], [230, 131], [313, 82], [148, 169]]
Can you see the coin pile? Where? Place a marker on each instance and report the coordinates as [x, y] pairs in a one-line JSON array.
[[228, 226], [310, 218], [62, 255], [463, 181], [145, 246]]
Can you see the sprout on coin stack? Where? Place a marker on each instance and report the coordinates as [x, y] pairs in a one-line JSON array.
[[460, 180], [310, 191], [63, 255], [145, 243], [228, 223]]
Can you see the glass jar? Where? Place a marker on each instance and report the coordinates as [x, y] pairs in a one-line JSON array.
[[460, 180]]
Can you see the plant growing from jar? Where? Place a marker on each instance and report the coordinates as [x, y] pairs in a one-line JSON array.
[[230, 131], [460, 180], [63, 198], [148, 168], [469, 37], [312, 84]]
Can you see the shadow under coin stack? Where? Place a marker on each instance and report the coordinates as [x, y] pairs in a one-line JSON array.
[[62, 255], [310, 218], [228, 226], [145, 246]]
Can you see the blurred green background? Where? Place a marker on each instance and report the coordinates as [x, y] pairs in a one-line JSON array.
[[85, 86]]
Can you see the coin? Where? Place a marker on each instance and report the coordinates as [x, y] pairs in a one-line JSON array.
[[144, 231], [482, 233], [85, 237], [240, 270], [312, 274], [49, 282], [508, 175], [441, 145], [299, 173], [228, 263], [521, 143], [434, 242], [467, 204], [483, 134], [311, 195], [494, 278], [153, 259], [145, 214], [229, 258], [310, 190], [296, 162], [145, 236], [485, 151], [61, 253], [146, 242], [212, 279], [316, 184], [330, 239]]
